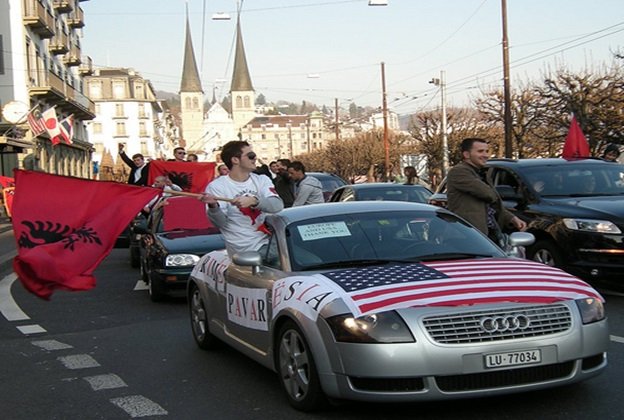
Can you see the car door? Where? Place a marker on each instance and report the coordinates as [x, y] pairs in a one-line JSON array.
[[247, 300]]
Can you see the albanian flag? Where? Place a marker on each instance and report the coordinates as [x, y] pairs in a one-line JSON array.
[[575, 145], [65, 227], [190, 176]]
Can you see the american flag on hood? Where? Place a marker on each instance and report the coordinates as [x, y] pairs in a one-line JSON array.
[[456, 283]]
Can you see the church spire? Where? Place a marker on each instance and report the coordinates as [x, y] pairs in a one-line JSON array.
[[190, 75], [240, 76]]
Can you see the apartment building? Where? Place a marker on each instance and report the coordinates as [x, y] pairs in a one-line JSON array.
[[42, 66]]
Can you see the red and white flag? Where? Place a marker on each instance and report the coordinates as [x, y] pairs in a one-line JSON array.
[[66, 226], [67, 129], [190, 176], [52, 125], [576, 145], [36, 123]]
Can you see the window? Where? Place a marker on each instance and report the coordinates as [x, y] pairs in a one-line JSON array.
[[119, 110], [263, 137], [138, 91], [121, 129], [142, 129], [239, 102], [97, 128], [142, 111], [247, 103], [97, 108], [187, 103], [119, 90], [95, 90], [195, 103]]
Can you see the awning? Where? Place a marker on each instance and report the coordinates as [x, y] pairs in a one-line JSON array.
[[10, 144]]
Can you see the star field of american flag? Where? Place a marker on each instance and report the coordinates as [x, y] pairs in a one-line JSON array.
[[362, 278], [456, 283]]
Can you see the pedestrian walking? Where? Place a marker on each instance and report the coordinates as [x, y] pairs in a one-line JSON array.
[[308, 190]]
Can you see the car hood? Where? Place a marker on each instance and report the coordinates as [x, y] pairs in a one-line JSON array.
[[372, 289], [197, 242], [592, 207]]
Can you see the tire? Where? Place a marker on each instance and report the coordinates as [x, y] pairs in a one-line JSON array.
[[156, 289], [199, 321], [135, 257], [297, 370], [546, 252]]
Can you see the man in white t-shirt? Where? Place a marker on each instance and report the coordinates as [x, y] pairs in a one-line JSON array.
[[252, 196]]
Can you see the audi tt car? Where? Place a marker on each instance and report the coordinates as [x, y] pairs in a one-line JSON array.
[[380, 191], [176, 235], [394, 302]]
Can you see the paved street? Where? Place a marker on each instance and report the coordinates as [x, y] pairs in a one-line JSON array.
[[111, 353]]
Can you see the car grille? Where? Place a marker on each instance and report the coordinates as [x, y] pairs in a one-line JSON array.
[[502, 378], [388, 384], [467, 327]]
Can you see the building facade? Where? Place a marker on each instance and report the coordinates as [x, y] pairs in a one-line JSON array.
[[128, 113], [42, 67]]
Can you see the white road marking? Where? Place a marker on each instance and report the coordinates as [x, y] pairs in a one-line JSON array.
[[78, 361], [141, 285], [139, 406], [31, 329], [109, 381], [51, 345], [8, 307], [617, 339]]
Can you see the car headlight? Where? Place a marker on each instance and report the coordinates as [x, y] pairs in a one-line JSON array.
[[181, 260], [591, 225], [384, 327], [592, 310]]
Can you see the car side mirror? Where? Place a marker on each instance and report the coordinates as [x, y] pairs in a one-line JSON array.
[[251, 259], [516, 243]]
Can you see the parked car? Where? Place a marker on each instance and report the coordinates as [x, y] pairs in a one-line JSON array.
[[329, 181], [176, 236], [575, 209], [396, 302], [381, 191]]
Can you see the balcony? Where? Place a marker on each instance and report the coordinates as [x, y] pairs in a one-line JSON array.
[[38, 19], [76, 18], [72, 58], [86, 66], [62, 6], [54, 90], [59, 44]]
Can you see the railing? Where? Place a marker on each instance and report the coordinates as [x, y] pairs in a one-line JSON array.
[[38, 18], [72, 58], [86, 65], [59, 43], [62, 6], [76, 18], [50, 83]]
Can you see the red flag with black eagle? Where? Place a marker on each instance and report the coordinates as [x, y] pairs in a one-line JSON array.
[[66, 226], [576, 145], [190, 176]]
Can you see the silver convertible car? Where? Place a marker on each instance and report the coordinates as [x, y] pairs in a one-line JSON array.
[[396, 302]]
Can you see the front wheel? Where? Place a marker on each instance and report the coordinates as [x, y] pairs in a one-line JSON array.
[[297, 370], [199, 321], [547, 253]]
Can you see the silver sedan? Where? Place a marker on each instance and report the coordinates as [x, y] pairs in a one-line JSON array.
[[396, 302]]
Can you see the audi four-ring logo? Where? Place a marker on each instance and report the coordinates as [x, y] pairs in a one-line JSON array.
[[505, 323]]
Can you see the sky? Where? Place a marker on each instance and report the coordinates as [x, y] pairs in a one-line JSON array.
[[323, 50]]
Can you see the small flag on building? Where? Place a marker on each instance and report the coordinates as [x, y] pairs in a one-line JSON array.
[[52, 125], [67, 129], [36, 123]]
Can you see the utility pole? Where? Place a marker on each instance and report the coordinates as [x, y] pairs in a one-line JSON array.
[[506, 83], [441, 83], [337, 127], [385, 120]]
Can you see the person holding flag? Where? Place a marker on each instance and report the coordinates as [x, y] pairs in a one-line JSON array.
[[250, 196]]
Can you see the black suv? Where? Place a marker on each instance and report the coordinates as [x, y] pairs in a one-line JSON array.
[[574, 208]]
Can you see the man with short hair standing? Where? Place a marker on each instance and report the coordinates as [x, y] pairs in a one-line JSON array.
[[138, 167], [475, 200], [179, 154], [283, 184], [308, 190], [252, 196]]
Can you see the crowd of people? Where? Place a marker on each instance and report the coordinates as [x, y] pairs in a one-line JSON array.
[[243, 192]]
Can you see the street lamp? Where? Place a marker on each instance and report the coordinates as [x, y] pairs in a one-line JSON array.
[[441, 83], [385, 120], [506, 83]]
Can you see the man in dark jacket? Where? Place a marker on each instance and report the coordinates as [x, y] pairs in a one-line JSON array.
[[470, 197], [138, 168], [284, 186]]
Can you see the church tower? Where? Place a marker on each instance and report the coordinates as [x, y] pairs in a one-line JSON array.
[[191, 96], [242, 91]]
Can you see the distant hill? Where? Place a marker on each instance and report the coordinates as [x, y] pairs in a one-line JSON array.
[[165, 96]]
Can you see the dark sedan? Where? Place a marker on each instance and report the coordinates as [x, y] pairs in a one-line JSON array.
[[177, 234], [381, 192]]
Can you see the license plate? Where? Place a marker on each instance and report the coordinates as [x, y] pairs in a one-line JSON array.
[[513, 358]]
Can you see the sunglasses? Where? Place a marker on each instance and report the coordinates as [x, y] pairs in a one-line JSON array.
[[180, 153], [251, 155]]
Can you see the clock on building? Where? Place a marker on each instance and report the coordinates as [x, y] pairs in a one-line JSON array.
[[15, 112]]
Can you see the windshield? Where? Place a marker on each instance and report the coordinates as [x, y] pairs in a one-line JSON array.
[[374, 237], [577, 180]]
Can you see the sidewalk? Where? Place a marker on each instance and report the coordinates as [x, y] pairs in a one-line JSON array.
[[7, 250], [5, 224]]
